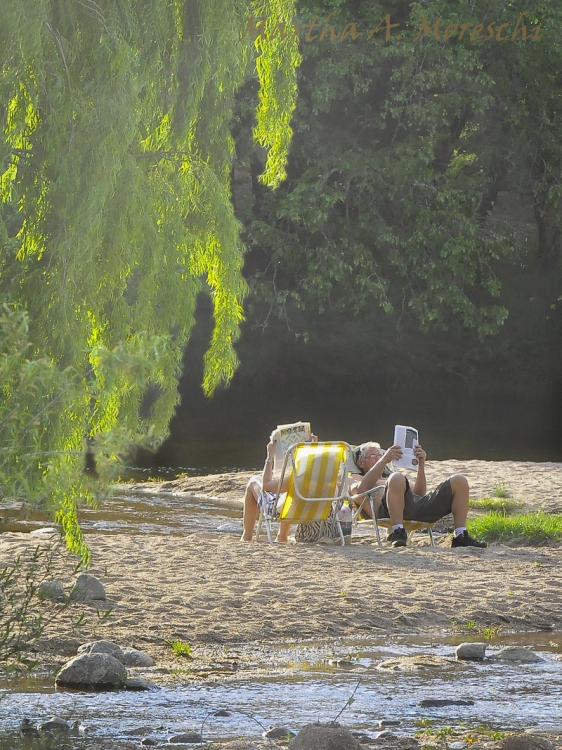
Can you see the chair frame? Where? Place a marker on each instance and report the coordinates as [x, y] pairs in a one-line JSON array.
[[336, 500], [410, 526]]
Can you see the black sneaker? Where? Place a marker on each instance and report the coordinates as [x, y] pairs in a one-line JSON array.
[[465, 540], [398, 537]]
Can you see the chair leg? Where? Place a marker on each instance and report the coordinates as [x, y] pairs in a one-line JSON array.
[[431, 536], [375, 524]]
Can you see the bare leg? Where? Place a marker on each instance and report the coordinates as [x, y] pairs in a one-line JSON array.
[[283, 533], [251, 510], [395, 488], [459, 506]]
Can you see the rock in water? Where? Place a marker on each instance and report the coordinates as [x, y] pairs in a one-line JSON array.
[[92, 672], [471, 651], [324, 737], [518, 654]]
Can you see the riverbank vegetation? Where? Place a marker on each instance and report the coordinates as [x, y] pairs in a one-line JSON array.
[[115, 213], [533, 528]]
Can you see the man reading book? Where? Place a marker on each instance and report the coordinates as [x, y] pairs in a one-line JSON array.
[[400, 501]]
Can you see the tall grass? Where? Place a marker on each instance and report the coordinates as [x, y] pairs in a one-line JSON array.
[[536, 527]]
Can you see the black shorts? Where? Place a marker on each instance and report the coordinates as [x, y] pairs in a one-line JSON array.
[[429, 508]]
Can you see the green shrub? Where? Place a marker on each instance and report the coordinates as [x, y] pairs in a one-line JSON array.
[[180, 648]]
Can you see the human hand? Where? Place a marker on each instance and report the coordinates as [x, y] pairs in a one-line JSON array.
[[420, 454], [313, 438], [392, 454]]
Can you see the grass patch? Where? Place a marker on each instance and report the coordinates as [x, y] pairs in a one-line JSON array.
[[496, 504], [536, 527], [180, 648], [500, 490]]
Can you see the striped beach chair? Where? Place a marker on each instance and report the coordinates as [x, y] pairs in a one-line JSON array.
[[317, 483]]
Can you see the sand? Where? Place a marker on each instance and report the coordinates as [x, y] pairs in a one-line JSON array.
[[212, 588], [213, 591]]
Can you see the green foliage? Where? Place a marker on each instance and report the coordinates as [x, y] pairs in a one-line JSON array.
[[180, 648], [401, 154], [21, 620], [115, 161], [536, 527], [495, 504], [501, 491]]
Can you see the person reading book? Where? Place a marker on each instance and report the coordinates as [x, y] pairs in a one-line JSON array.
[[262, 489], [400, 501]]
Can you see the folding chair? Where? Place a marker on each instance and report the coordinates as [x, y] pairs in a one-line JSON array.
[[385, 523], [318, 482]]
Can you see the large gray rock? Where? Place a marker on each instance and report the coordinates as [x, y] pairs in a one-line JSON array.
[[92, 672], [471, 651], [87, 588], [517, 654], [102, 647], [324, 737]]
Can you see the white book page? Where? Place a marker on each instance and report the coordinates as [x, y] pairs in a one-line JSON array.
[[407, 438]]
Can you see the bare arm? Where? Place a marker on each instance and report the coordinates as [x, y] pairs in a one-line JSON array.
[[420, 485], [374, 475]]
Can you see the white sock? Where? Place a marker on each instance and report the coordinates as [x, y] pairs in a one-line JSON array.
[[460, 530], [397, 526]]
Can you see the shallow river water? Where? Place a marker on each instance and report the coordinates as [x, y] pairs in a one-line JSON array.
[[294, 683], [297, 684]]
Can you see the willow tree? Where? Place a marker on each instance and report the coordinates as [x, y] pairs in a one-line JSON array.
[[115, 163]]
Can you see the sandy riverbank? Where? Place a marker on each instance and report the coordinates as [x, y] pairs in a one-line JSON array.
[[210, 588]]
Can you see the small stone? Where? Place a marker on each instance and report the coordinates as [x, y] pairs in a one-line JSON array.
[[87, 588], [519, 654], [384, 734], [388, 723], [186, 738], [134, 658], [278, 733], [343, 663], [54, 724], [440, 702], [52, 590], [471, 651], [458, 745], [222, 712], [45, 530], [137, 683], [148, 742]]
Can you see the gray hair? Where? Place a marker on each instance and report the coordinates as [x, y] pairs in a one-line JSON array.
[[360, 451]]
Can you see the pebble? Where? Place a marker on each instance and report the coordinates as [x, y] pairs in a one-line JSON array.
[[148, 742], [278, 733], [388, 723], [186, 738]]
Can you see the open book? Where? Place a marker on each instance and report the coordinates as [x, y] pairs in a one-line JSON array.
[[286, 435], [407, 439]]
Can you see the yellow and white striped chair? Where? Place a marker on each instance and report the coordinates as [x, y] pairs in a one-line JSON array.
[[317, 483]]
